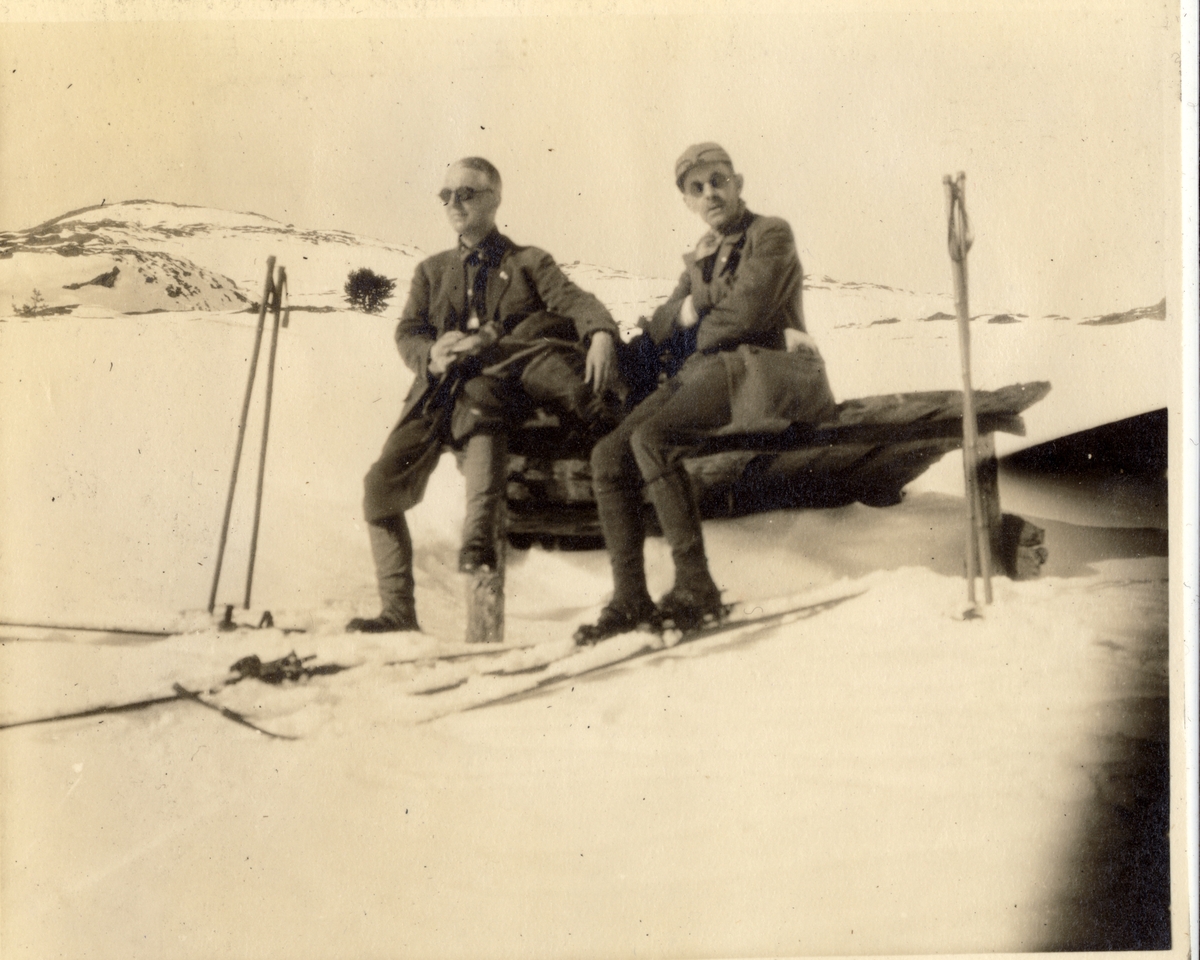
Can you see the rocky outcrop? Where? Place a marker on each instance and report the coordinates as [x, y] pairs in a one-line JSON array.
[[108, 279]]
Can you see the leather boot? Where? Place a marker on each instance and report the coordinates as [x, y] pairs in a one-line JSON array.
[[391, 548], [485, 467], [694, 595], [625, 536]]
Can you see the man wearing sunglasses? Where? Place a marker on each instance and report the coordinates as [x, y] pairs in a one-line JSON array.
[[475, 331], [729, 371]]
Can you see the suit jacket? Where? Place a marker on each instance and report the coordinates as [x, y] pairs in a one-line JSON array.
[[745, 284], [527, 297]]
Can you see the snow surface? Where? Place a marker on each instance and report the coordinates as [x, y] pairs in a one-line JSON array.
[[876, 774]]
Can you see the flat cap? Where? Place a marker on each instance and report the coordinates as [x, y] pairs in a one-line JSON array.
[[697, 154]]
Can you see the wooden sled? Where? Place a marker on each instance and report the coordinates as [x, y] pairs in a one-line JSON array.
[[871, 449], [868, 453]]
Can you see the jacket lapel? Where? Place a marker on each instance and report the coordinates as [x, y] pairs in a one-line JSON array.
[[730, 253], [499, 273], [453, 294]]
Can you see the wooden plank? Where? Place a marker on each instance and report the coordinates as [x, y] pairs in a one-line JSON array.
[[888, 418], [987, 471], [925, 405], [941, 426], [485, 591]]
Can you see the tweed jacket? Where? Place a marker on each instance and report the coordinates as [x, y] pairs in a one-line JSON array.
[[745, 284], [527, 297], [752, 292]]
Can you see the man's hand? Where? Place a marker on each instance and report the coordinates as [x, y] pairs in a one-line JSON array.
[[600, 368], [795, 339], [475, 343], [688, 317], [443, 353]]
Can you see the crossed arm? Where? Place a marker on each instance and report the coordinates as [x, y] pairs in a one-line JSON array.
[[738, 307]]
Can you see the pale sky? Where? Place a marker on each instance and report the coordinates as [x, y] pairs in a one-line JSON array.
[[843, 119]]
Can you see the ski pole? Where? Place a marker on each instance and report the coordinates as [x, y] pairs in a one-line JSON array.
[[959, 240], [241, 434], [280, 286]]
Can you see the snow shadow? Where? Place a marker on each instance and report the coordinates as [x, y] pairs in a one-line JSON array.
[[1075, 550], [1116, 882]]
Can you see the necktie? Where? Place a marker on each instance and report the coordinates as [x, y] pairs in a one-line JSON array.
[[476, 289]]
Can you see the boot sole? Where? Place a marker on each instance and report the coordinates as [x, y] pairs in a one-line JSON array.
[[644, 626], [699, 620]]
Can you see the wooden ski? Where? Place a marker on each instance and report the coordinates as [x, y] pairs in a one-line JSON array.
[[186, 694]]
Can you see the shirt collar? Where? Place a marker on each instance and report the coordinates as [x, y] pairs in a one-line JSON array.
[[490, 248], [711, 241]]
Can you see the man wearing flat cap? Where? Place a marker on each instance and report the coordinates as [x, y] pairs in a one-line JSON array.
[[730, 372], [491, 328]]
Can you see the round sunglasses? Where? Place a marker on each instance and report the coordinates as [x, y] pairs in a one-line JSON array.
[[461, 195], [717, 180]]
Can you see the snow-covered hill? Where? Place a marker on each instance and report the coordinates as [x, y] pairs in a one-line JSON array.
[[140, 256], [143, 256], [171, 256]]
